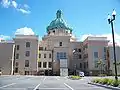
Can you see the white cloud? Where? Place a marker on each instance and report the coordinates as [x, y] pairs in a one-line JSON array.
[[26, 6], [109, 37], [24, 31], [11, 3], [14, 4], [24, 11], [83, 37], [4, 37], [5, 3]]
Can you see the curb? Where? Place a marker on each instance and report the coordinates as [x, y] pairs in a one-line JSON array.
[[105, 86]]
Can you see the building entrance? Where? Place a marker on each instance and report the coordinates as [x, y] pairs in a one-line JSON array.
[[48, 72], [45, 72]]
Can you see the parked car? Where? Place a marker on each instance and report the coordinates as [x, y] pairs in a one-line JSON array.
[[0, 73], [81, 74]]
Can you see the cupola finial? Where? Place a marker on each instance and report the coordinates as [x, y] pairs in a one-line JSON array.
[[59, 14]]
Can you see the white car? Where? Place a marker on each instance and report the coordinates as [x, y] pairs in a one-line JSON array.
[[81, 74], [0, 73]]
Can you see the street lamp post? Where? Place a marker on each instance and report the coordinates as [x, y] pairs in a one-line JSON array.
[[110, 21], [74, 64]]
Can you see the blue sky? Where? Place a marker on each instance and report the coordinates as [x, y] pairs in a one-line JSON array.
[[86, 17]]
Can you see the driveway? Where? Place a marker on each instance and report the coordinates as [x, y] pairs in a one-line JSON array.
[[45, 83]]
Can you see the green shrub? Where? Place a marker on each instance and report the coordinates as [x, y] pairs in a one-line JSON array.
[[110, 82], [101, 81], [94, 81], [115, 83], [119, 82], [75, 77], [105, 81], [97, 80]]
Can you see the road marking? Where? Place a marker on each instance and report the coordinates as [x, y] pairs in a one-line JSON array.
[[7, 85], [44, 79], [68, 86], [39, 84], [57, 78], [14, 89]]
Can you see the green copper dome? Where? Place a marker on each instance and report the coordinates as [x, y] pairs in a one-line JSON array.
[[58, 23]]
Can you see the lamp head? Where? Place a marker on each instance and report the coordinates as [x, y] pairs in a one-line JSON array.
[[114, 14], [109, 17]]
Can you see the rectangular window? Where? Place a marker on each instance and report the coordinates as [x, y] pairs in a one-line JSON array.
[[84, 65], [17, 56], [26, 63], [27, 54], [27, 44], [26, 72], [80, 65], [44, 55], [39, 55], [16, 64], [61, 55], [87, 64], [17, 47], [64, 55], [50, 55], [16, 70], [60, 44], [50, 64], [95, 54], [54, 31], [80, 56], [44, 64], [79, 50], [104, 49], [39, 64], [58, 56], [40, 48]]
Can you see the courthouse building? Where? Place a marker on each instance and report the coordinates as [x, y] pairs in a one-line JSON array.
[[58, 53]]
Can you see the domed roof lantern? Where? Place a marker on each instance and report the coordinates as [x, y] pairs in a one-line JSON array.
[[58, 23], [59, 14]]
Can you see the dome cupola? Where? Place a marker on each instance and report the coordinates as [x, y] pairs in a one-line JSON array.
[[58, 23]]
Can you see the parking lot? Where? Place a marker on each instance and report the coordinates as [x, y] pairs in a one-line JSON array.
[[45, 83]]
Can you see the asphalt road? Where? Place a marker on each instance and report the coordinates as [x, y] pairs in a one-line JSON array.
[[45, 83]]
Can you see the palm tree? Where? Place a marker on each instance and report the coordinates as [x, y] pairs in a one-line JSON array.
[[100, 63]]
